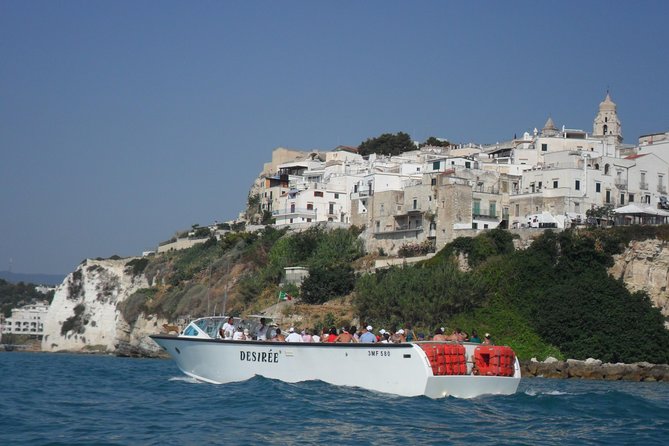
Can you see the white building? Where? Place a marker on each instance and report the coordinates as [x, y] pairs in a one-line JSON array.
[[28, 319]]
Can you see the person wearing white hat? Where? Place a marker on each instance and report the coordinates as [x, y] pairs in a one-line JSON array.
[[367, 335], [293, 336]]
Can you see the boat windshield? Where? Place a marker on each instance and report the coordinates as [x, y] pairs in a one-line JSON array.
[[210, 325]]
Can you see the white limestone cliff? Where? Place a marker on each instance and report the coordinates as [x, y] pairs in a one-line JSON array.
[[87, 304], [645, 266]]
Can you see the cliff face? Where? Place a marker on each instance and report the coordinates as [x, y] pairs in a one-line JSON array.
[[645, 266], [84, 315]]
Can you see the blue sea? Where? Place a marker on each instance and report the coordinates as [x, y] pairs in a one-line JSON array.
[[62, 399]]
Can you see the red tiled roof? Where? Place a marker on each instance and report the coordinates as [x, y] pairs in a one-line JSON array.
[[635, 156]]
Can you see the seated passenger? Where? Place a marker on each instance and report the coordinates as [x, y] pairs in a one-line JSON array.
[[344, 336], [385, 338], [293, 336], [239, 335], [278, 337], [367, 336], [332, 336], [438, 335]]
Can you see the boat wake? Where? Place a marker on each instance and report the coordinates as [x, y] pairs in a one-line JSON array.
[[533, 392], [186, 379]]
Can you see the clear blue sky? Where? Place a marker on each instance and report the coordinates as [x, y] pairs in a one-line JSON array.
[[122, 122]]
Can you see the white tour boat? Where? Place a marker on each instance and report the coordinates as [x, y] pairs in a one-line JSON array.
[[434, 369]]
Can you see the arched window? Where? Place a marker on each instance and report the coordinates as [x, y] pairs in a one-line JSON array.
[[606, 128], [596, 166], [606, 169]]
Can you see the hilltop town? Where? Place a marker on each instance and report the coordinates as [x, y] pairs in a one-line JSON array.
[[408, 203]]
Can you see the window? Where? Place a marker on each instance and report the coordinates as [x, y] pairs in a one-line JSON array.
[[336, 196], [310, 206], [355, 188], [331, 209], [646, 199], [318, 193], [622, 199], [540, 185], [577, 207], [476, 207], [631, 198], [292, 208], [544, 147], [606, 169], [577, 185], [435, 165], [475, 225], [415, 204], [468, 165], [608, 196], [555, 184], [433, 182], [598, 187], [517, 211], [492, 208]]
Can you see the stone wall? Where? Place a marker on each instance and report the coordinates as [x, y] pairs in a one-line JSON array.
[[595, 369]]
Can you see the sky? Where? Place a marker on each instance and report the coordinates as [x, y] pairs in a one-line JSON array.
[[123, 122]]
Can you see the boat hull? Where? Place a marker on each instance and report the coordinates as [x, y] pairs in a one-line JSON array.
[[401, 369]]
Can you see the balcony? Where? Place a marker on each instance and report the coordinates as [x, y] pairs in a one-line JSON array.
[[620, 184], [478, 214], [361, 194], [294, 212], [661, 188], [643, 185], [399, 229]]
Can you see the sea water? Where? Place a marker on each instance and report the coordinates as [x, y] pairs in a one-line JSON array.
[[62, 399]]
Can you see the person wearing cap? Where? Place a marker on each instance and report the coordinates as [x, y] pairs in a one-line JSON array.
[[367, 336], [293, 336], [487, 340], [398, 337], [247, 335]]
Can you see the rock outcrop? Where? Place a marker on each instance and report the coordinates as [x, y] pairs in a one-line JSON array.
[[594, 369], [84, 314], [645, 266]]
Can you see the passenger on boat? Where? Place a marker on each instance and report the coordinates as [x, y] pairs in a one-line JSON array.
[[408, 333], [475, 337], [345, 336], [278, 337], [385, 338], [487, 340], [439, 335], [247, 335], [398, 337], [332, 336], [367, 336], [229, 326], [306, 335], [315, 337], [293, 336], [239, 335], [261, 332], [354, 332]]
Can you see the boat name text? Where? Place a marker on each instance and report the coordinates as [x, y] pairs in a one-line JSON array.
[[378, 353], [259, 356]]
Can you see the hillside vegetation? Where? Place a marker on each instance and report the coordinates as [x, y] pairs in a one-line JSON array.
[[552, 299]]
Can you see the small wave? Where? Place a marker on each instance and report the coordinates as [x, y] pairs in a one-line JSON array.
[[532, 392], [186, 379]]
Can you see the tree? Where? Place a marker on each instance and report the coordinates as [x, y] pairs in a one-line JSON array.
[[387, 144], [436, 142]]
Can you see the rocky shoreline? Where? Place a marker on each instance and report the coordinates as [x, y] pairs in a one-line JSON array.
[[595, 369]]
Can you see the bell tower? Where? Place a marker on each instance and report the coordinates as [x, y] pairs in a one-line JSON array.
[[606, 122]]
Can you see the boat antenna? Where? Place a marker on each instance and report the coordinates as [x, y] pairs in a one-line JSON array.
[[227, 282]]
